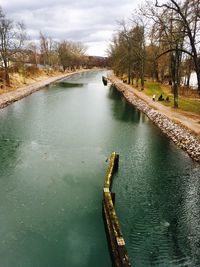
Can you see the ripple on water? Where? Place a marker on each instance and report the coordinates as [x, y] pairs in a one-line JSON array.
[[160, 215], [52, 163]]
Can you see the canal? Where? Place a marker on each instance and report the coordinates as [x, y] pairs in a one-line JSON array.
[[54, 147]]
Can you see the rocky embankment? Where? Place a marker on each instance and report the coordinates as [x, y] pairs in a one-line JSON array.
[[182, 137]]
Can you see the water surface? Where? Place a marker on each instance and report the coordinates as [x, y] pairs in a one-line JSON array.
[[54, 145]]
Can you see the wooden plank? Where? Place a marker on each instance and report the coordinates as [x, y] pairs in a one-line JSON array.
[[116, 241]]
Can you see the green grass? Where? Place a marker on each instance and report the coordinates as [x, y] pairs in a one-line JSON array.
[[154, 88], [189, 105], [185, 104]]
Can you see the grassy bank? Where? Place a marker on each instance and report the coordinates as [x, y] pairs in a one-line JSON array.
[[185, 103]]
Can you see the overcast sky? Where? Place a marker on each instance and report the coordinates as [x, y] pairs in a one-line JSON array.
[[89, 21]]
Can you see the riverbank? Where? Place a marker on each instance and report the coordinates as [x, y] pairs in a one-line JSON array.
[[182, 128], [15, 95]]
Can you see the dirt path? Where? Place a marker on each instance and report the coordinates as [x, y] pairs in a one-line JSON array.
[[189, 120], [10, 97]]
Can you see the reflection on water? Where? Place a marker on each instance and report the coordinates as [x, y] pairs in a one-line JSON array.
[[122, 110], [54, 145], [151, 201], [69, 85]]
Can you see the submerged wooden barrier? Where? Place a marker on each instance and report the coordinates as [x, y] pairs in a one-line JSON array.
[[104, 80], [116, 241]]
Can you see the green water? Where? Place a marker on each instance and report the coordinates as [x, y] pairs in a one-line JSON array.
[[53, 150]]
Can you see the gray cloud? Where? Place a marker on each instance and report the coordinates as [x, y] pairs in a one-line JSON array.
[[13, 5], [91, 22]]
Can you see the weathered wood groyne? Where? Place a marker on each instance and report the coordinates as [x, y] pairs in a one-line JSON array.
[[181, 136], [104, 80], [116, 241]]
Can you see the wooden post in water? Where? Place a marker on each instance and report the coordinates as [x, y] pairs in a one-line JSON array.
[[104, 80], [116, 241]]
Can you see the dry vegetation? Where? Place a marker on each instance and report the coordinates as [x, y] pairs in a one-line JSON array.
[[18, 79]]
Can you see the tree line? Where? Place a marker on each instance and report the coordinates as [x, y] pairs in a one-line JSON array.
[[160, 41], [18, 51]]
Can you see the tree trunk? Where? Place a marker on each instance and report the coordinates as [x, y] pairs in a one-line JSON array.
[[129, 73], [175, 91], [132, 78], [142, 75], [6, 73], [129, 64], [155, 72], [174, 73], [137, 80], [197, 69], [7, 78], [195, 59], [188, 80]]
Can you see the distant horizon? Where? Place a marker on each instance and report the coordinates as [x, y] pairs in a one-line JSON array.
[[92, 23]]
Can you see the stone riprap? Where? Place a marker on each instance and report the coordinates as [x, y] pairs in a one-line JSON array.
[[181, 136]]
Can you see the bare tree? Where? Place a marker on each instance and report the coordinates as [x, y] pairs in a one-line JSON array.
[[12, 37], [33, 55], [187, 13], [127, 52], [71, 54], [127, 37], [169, 34], [118, 55], [48, 50], [139, 51]]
